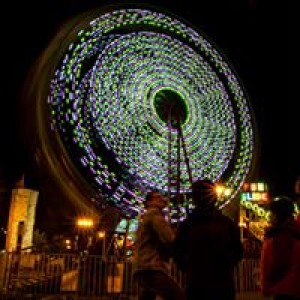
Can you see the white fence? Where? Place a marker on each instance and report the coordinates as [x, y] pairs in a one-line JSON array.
[[92, 277]]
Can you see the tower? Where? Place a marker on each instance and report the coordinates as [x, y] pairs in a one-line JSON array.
[[21, 217]]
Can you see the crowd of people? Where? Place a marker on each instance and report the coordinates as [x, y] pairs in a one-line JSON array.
[[207, 247]]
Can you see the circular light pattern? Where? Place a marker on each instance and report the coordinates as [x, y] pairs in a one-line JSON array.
[[114, 79]]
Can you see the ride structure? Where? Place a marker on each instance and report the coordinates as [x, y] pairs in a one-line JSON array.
[[129, 99]]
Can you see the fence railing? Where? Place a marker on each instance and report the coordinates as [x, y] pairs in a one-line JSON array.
[[84, 276]]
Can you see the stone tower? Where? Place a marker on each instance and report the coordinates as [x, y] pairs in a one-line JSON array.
[[21, 218]]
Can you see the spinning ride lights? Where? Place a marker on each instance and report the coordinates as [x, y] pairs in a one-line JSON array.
[[108, 97]]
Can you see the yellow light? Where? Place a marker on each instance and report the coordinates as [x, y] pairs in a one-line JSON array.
[[85, 223], [253, 187], [256, 196], [101, 234], [258, 210], [243, 224], [227, 192], [120, 242], [261, 187], [220, 190]]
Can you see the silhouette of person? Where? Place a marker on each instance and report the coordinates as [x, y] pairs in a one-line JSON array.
[[280, 257], [297, 196], [208, 247], [152, 253]]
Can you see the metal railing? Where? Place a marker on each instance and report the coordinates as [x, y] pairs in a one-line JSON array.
[[92, 277]]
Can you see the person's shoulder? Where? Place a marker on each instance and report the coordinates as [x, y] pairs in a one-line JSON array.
[[219, 214], [295, 228], [227, 220], [152, 213]]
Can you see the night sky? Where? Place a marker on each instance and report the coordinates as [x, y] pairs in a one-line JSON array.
[[253, 35]]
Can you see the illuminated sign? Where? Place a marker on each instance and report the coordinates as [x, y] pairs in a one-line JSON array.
[[256, 192]]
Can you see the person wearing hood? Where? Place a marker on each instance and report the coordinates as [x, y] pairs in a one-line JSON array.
[[153, 251], [207, 247], [280, 257]]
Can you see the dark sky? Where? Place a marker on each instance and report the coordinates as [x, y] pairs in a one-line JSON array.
[[254, 36]]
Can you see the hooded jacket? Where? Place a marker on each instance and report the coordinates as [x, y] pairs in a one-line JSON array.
[[154, 242]]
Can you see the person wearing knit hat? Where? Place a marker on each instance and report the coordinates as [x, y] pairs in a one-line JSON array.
[[280, 259], [207, 247]]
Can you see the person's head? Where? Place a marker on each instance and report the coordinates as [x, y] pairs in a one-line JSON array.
[[204, 193], [155, 199], [282, 208]]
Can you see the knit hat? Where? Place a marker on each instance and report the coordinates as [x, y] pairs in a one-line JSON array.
[[204, 192], [282, 207]]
